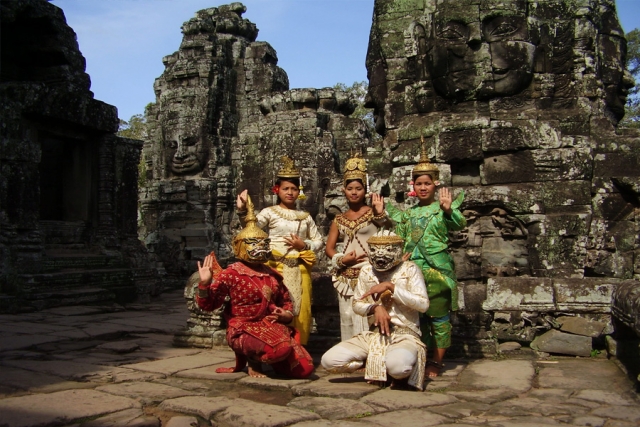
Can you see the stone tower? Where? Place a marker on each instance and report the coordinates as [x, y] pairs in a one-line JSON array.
[[519, 103]]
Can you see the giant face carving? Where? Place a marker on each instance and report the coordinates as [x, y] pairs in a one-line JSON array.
[[479, 52], [186, 151]]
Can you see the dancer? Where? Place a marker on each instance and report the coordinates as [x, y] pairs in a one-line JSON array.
[[294, 241], [353, 228], [258, 309], [393, 291], [425, 229]]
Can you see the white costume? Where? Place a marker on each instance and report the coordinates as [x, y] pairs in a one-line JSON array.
[[402, 354]]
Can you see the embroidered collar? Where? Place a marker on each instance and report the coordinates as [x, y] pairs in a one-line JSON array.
[[353, 225], [254, 270], [289, 214]]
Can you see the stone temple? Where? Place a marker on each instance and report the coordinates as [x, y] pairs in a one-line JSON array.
[[518, 102]]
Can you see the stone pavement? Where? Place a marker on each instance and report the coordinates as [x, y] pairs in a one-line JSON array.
[[111, 366]]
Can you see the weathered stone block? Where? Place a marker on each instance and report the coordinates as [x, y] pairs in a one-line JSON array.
[[581, 326], [559, 342], [519, 293], [592, 295]]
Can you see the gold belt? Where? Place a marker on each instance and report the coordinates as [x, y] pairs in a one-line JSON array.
[[404, 330], [290, 262]]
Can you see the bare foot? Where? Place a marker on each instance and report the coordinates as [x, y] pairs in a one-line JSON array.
[[255, 371], [433, 369]]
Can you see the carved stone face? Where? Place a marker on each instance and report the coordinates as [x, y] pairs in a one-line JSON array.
[[385, 257], [480, 53], [185, 153], [254, 250]]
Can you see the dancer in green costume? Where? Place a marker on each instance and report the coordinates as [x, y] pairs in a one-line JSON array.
[[425, 229]]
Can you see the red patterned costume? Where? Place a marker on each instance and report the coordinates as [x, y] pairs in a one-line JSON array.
[[255, 291]]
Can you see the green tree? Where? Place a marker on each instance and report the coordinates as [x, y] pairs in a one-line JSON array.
[[632, 109], [359, 91], [136, 128]]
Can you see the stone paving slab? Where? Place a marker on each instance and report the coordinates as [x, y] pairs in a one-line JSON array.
[[623, 413], [484, 396], [461, 409], [405, 418], [206, 407], [182, 422], [33, 328], [263, 415], [580, 374], [69, 370], [331, 408], [56, 408], [342, 386], [274, 382], [328, 423], [604, 397], [36, 382], [176, 364], [394, 400], [504, 374], [522, 406], [17, 342], [146, 393], [126, 418], [209, 373]]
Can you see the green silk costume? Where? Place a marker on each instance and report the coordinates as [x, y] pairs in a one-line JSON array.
[[425, 230]]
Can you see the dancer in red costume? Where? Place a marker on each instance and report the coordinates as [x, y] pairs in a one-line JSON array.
[[259, 307]]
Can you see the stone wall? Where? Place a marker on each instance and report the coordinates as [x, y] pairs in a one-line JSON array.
[[68, 184], [519, 103]]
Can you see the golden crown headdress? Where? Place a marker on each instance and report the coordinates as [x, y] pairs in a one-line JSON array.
[[288, 169], [250, 230], [385, 237], [424, 166], [355, 168]]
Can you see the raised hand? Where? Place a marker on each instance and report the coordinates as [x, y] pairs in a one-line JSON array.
[[204, 269], [444, 195], [241, 201], [377, 203]]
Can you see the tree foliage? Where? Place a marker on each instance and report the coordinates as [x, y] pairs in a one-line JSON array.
[[632, 109], [359, 91], [136, 128]]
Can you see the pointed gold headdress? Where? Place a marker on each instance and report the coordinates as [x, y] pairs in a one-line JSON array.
[[355, 168], [250, 230], [288, 169], [424, 166]]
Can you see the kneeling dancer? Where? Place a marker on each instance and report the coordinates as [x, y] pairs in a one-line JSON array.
[[393, 292], [259, 307]]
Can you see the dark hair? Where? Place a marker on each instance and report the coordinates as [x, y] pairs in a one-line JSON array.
[[419, 174], [294, 181]]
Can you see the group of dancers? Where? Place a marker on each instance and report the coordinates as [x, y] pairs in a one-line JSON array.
[[395, 289]]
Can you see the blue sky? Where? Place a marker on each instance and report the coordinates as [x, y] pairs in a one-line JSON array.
[[319, 42]]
